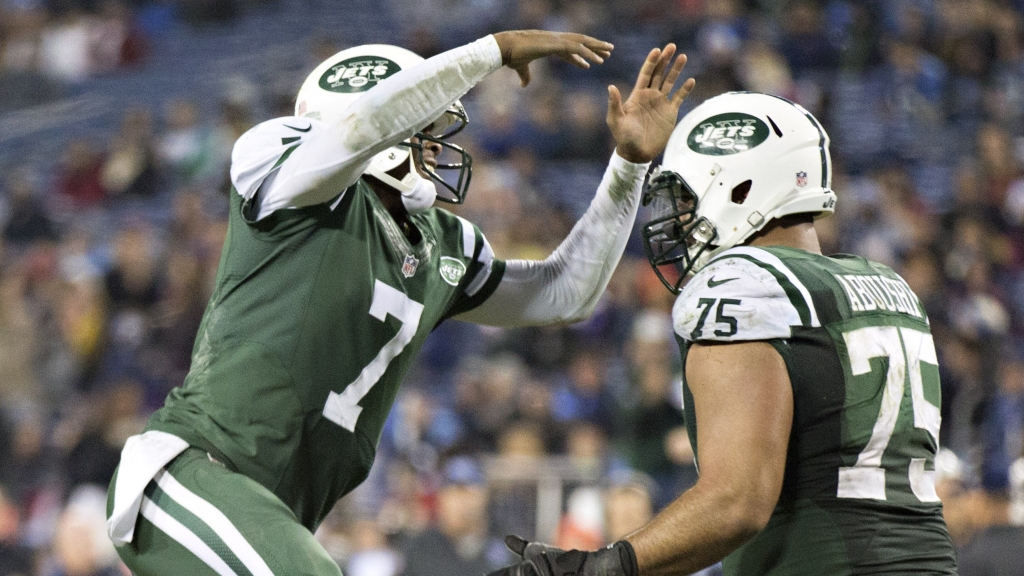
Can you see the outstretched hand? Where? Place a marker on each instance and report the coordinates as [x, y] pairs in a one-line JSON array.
[[643, 124], [520, 47], [539, 559]]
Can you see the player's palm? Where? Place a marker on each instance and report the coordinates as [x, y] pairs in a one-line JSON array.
[[643, 124], [520, 47]]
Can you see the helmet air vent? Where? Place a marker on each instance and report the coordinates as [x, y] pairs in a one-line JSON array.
[[740, 192], [774, 126]]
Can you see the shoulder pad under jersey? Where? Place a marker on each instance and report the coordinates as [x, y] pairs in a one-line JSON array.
[[743, 294], [266, 146]]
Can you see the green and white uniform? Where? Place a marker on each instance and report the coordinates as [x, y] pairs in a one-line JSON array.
[[316, 318], [858, 496], [320, 307], [317, 314]]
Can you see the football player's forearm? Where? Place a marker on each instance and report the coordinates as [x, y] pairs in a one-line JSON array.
[[391, 112], [700, 528], [409, 101], [566, 286]]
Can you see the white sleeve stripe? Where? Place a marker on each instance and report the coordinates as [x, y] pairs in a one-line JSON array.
[[217, 521], [486, 259], [468, 237], [486, 254], [480, 280], [182, 535], [768, 258]]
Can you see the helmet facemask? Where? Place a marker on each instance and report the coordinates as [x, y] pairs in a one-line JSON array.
[[733, 165], [674, 238], [458, 173]]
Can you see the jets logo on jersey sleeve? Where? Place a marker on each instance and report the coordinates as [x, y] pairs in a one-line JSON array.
[[744, 294]]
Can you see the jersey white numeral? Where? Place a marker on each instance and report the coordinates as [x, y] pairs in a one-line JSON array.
[[905, 350], [343, 409]]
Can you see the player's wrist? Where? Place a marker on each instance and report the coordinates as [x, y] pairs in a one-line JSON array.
[[617, 559], [631, 154]]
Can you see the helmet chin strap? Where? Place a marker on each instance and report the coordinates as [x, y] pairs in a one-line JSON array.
[[418, 193]]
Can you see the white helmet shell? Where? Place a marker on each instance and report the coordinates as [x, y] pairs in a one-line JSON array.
[[343, 78], [748, 158]]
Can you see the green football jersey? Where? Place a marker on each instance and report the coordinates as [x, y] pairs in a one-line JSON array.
[[858, 495], [317, 315]]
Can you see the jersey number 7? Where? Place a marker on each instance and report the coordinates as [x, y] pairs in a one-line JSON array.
[[343, 409]]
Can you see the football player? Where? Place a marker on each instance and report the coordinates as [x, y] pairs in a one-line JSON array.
[[335, 269], [810, 382]]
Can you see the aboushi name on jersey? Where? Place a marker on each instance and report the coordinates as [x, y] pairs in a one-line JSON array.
[[858, 491], [858, 496]]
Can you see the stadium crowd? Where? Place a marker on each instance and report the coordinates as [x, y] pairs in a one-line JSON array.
[[107, 261]]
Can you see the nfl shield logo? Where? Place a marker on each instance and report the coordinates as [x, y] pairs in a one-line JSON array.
[[409, 266], [801, 179]]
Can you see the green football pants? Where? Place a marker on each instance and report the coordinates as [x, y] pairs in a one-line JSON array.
[[199, 518]]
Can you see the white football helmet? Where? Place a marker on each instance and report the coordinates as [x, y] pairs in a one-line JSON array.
[[732, 165], [343, 78]]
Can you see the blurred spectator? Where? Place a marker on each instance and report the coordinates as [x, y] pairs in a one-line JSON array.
[[176, 322], [587, 136], [583, 395], [81, 546], [1006, 414], [370, 553], [130, 166], [132, 280], [15, 559], [995, 548], [956, 501], [651, 420], [78, 177], [459, 543], [97, 450], [27, 219], [19, 341], [116, 42], [514, 504], [64, 47], [184, 146], [805, 45], [582, 525], [628, 506]]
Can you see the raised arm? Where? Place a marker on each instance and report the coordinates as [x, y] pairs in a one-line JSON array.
[[566, 286], [411, 100], [330, 157], [743, 403]]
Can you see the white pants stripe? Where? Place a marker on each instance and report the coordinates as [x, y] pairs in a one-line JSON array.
[[217, 521], [184, 536]]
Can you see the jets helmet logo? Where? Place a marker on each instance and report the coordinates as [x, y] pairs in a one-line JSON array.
[[729, 133], [357, 74]]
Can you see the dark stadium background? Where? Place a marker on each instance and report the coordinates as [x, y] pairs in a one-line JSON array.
[[117, 119]]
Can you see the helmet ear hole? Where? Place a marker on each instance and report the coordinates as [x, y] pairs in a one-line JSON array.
[[740, 192]]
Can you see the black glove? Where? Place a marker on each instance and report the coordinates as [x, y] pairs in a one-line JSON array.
[[539, 559]]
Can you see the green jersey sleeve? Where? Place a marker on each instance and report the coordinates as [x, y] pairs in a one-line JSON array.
[[484, 273], [743, 294]]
